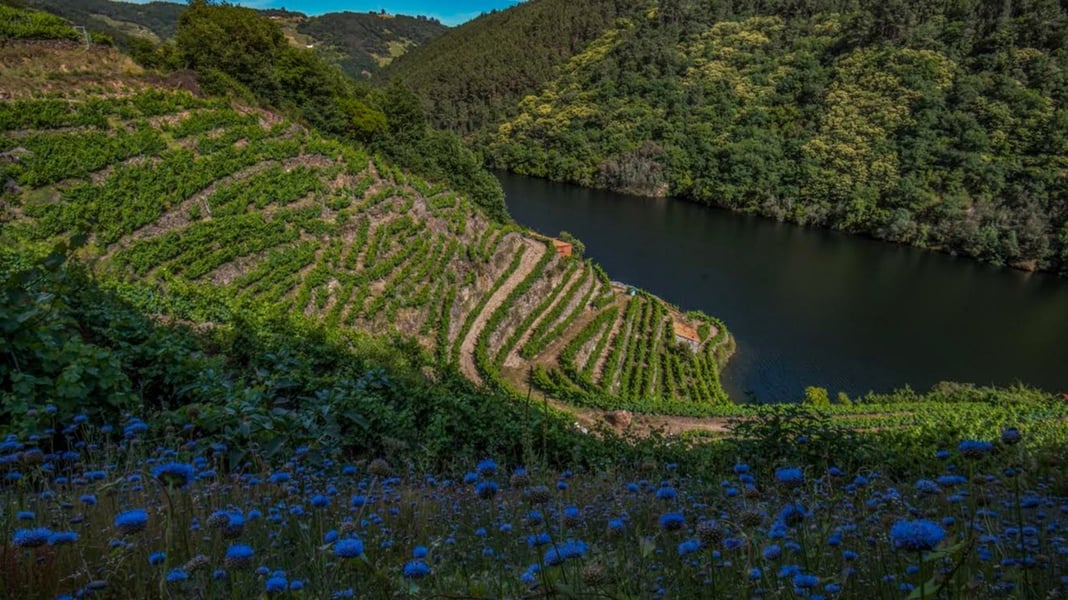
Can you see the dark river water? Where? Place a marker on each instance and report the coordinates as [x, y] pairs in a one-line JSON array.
[[812, 307]]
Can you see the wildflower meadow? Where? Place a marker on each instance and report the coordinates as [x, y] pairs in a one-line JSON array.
[[114, 512]]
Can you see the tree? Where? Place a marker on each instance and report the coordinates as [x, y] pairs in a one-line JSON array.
[[234, 40], [817, 396], [365, 123]]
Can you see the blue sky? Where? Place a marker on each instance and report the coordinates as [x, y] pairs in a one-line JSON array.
[[449, 12]]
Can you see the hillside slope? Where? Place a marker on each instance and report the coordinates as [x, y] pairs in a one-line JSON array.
[[364, 43], [360, 43], [472, 76], [940, 125], [232, 204]]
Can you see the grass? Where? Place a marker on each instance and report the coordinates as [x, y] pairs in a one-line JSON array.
[[317, 527]]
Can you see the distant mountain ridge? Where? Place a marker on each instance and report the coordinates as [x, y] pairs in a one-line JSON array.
[[360, 43]]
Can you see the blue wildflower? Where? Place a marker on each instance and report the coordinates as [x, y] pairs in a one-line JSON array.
[[60, 538], [530, 576], [974, 448], [951, 480], [928, 487], [420, 552], [32, 538], [572, 515], [157, 558], [672, 521], [416, 569], [276, 584], [348, 548], [666, 493], [689, 547], [1010, 436], [789, 475], [131, 521], [562, 552], [296, 585], [487, 489], [134, 428], [486, 468], [539, 540], [238, 555], [174, 474], [792, 514], [788, 571], [772, 552], [177, 575], [25, 515], [916, 536]]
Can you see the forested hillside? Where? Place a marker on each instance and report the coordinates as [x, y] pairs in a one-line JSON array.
[[154, 21], [937, 124], [472, 76], [360, 43], [363, 43]]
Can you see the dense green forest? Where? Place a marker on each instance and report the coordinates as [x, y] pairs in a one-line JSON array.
[[472, 76], [360, 43], [937, 124]]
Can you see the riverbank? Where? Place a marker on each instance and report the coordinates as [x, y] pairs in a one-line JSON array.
[[813, 307]]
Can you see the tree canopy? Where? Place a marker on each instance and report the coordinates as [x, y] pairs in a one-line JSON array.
[[938, 124]]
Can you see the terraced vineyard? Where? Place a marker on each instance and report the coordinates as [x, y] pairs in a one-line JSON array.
[[174, 189]]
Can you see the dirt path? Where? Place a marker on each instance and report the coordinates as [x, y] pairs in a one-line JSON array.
[[513, 360], [527, 263], [643, 425]]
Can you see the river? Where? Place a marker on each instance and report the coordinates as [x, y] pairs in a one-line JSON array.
[[810, 307]]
